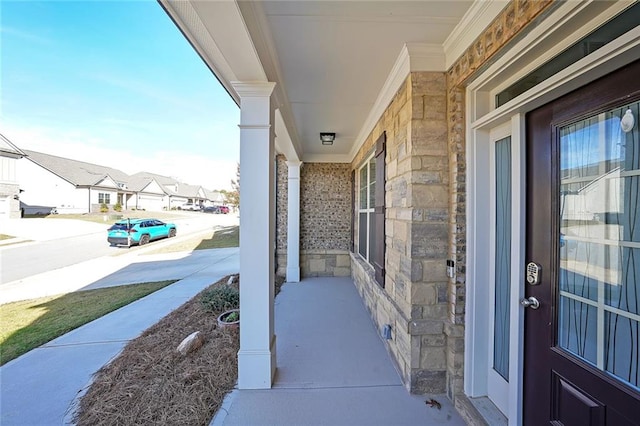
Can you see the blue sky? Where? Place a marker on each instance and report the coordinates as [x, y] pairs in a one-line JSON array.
[[114, 83]]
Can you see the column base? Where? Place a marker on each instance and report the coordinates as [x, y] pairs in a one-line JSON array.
[[293, 275], [256, 369]]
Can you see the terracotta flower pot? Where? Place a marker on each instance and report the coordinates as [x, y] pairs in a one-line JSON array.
[[225, 321]]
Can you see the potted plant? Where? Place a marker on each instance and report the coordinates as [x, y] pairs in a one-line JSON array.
[[229, 318]]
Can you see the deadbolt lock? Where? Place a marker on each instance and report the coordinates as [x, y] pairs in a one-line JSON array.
[[533, 273]]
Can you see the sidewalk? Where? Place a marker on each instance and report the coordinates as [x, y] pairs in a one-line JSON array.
[[39, 387], [333, 368]]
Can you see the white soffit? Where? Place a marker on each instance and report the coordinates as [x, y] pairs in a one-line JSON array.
[[337, 64], [335, 58], [414, 57]]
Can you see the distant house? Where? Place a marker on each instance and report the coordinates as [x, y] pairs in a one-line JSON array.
[[156, 192], [69, 186], [9, 187], [151, 191], [214, 198], [49, 182]]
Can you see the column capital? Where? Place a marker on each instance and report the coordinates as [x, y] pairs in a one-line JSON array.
[[293, 169], [253, 88], [295, 163]]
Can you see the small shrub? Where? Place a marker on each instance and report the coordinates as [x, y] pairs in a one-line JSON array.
[[117, 207], [104, 208], [232, 317], [221, 298]]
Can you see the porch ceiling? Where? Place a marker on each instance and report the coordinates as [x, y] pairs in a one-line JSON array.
[[331, 60]]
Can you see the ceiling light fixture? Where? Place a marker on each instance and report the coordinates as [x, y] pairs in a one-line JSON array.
[[327, 138]]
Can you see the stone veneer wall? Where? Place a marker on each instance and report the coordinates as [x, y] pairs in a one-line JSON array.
[[325, 219], [414, 300], [282, 198], [512, 22]]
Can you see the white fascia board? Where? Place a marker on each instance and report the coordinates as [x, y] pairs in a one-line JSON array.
[[414, 57], [152, 182], [284, 145], [223, 41], [106, 181], [258, 27], [473, 23]]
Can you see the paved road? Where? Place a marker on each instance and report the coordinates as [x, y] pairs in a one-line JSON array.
[[24, 260], [56, 246]]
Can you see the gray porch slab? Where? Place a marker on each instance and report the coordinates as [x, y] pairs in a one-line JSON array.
[[333, 369]]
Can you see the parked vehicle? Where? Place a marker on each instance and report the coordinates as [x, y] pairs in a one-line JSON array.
[[212, 209], [216, 209], [190, 206], [139, 231]]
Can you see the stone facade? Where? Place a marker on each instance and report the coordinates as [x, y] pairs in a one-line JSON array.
[[325, 219], [414, 300], [282, 208]]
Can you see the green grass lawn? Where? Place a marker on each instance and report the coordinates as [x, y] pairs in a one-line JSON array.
[[111, 216], [32, 323], [222, 238]]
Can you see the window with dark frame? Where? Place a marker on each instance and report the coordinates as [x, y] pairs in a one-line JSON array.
[[366, 208], [371, 210], [104, 198]]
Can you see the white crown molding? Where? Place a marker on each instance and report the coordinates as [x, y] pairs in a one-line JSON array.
[[260, 89], [413, 57], [472, 24]]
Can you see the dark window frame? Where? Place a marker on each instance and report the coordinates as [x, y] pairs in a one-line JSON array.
[[370, 232]]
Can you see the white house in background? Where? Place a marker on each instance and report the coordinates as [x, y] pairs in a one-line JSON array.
[[156, 192], [50, 182], [214, 198], [9, 187], [69, 186], [151, 192]]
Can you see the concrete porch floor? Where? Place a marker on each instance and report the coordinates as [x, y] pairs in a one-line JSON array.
[[333, 368]]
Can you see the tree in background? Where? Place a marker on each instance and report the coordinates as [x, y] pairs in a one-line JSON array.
[[232, 197]]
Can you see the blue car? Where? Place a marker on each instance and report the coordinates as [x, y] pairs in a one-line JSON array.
[[139, 231]]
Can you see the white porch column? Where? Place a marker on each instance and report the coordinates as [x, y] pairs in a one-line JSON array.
[[293, 222], [257, 355]]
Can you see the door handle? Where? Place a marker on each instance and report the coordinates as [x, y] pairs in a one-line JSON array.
[[530, 302]]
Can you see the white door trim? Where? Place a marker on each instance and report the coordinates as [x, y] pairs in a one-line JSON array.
[[481, 118]]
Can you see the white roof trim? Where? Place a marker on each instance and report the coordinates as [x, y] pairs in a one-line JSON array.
[[284, 145], [472, 24]]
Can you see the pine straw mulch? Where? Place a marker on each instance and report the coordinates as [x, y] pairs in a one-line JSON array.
[[150, 383]]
